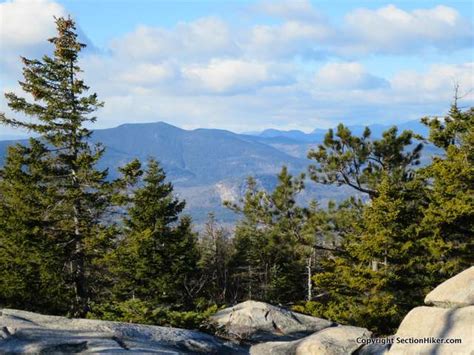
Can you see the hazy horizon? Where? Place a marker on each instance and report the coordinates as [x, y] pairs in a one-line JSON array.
[[24, 135]]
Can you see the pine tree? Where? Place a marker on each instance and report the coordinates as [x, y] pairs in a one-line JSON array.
[[79, 191], [157, 256], [375, 275], [361, 162]]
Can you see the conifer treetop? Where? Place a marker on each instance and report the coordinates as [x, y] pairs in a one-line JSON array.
[[59, 101]]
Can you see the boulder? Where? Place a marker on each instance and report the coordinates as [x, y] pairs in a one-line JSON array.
[[458, 291], [340, 340], [26, 332], [423, 326], [258, 321]]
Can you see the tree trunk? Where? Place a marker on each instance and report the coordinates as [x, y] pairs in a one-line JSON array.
[[310, 285], [309, 267], [250, 283], [78, 258], [375, 265]]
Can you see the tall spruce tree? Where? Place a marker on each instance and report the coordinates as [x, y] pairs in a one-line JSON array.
[[157, 257], [448, 223], [31, 261], [323, 229], [79, 194], [377, 274], [215, 249], [268, 262]]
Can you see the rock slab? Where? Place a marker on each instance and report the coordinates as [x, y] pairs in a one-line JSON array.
[[338, 340], [435, 323], [458, 291], [254, 322], [26, 332]]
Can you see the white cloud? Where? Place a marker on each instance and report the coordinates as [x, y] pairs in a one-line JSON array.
[[300, 71], [392, 30], [24, 27], [409, 95], [386, 30], [292, 38], [437, 83], [290, 9], [352, 76], [202, 38], [147, 74], [231, 76], [27, 22]]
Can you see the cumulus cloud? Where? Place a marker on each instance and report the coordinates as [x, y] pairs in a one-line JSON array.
[[290, 39], [197, 39], [352, 76], [27, 22], [298, 70], [231, 76], [303, 104], [392, 30], [386, 30], [147, 74], [24, 27], [437, 83], [408, 95]]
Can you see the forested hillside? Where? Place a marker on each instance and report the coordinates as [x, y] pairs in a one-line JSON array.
[[81, 240], [208, 167]]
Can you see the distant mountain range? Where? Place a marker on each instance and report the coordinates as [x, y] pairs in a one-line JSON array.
[[318, 134], [208, 166]]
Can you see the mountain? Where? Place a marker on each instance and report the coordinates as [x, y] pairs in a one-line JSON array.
[[317, 135], [292, 134], [196, 157], [209, 166]]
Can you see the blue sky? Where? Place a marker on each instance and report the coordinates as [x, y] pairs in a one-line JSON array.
[[250, 65]]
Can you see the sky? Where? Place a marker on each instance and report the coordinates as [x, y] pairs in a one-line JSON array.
[[251, 65]]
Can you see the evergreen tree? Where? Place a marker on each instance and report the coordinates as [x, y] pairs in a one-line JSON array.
[[448, 223], [361, 162], [31, 262], [376, 273], [215, 249], [268, 261], [79, 192], [288, 244], [157, 256], [323, 231], [249, 241]]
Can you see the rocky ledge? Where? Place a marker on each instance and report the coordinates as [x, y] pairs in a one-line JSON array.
[[27, 332], [253, 328], [452, 317]]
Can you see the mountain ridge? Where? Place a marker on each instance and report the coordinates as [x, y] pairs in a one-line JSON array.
[[208, 166]]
